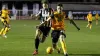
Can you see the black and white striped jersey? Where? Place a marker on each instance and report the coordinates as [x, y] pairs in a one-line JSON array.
[[44, 14]]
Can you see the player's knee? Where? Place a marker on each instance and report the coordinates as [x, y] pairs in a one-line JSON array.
[[37, 35], [61, 38]]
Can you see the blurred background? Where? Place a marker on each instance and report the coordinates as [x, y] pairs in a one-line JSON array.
[[22, 9]]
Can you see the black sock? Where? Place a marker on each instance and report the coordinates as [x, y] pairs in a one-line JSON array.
[[36, 43]]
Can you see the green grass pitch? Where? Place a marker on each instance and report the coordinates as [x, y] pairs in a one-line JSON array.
[[20, 41]]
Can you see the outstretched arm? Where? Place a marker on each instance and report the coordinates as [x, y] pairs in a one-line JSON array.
[[70, 17], [44, 22], [49, 18], [72, 22], [36, 16]]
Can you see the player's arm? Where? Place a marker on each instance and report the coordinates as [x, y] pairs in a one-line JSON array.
[[49, 18], [45, 21], [36, 16], [72, 22], [70, 17]]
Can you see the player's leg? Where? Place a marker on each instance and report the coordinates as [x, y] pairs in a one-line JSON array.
[[37, 41], [5, 22], [4, 29], [1, 31], [2, 20], [90, 24], [96, 21], [45, 31], [63, 44], [6, 26], [55, 37]]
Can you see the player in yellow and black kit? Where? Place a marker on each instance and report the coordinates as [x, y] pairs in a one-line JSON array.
[[5, 20], [58, 28], [89, 18], [97, 17]]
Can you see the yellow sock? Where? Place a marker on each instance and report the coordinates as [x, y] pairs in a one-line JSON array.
[[90, 26], [5, 31], [64, 47], [1, 31]]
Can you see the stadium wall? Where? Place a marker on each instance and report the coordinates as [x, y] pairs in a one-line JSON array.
[[77, 14], [79, 11]]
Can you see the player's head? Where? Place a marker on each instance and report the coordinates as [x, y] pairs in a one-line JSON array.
[[59, 7], [5, 7], [44, 3]]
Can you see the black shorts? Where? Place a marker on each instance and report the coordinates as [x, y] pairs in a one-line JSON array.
[[90, 22], [5, 23], [55, 35], [4, 17], [45, 30]]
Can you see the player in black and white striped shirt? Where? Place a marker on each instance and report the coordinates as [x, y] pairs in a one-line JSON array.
[[43, 30]]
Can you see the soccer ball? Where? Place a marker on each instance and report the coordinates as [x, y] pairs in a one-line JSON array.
[[49, 50]]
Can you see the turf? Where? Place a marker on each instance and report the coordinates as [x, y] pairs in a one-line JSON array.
[[20, 41]]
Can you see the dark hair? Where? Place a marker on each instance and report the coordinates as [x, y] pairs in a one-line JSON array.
[[60, 5], [44, 1]]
